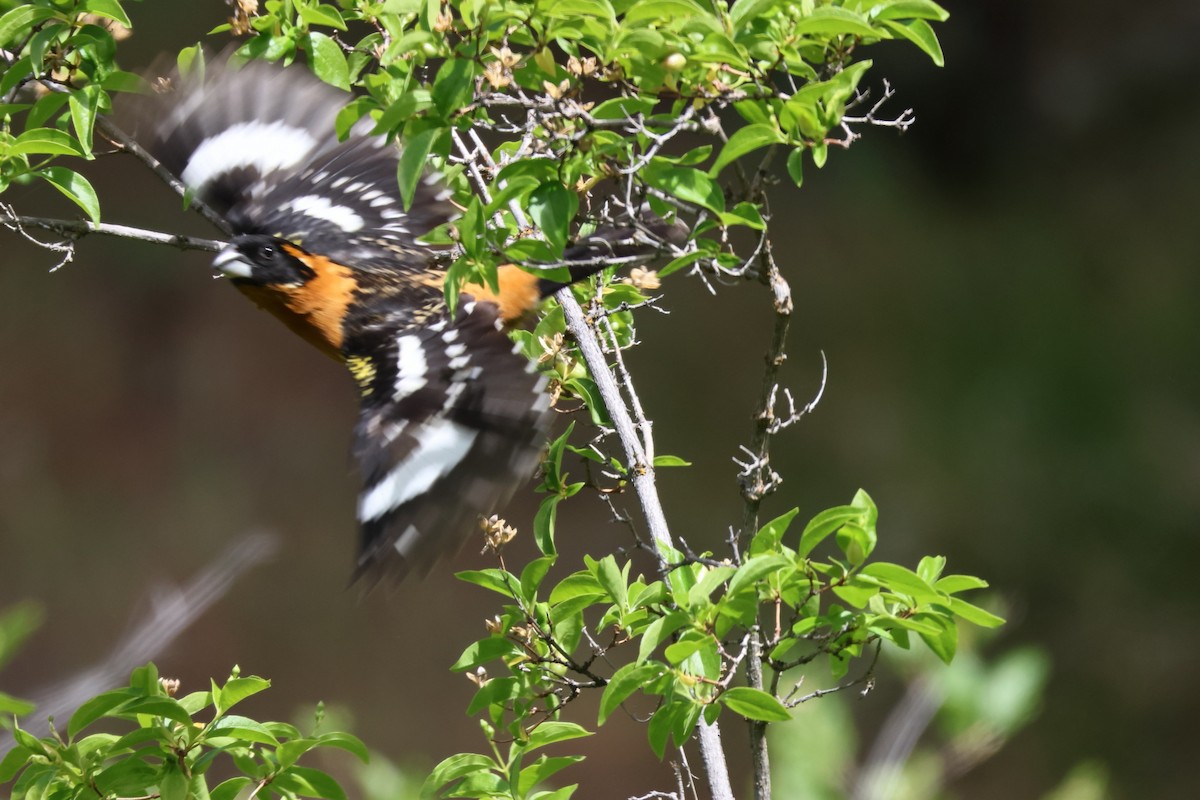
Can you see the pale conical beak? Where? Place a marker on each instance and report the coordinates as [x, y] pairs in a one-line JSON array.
[[232, 264]]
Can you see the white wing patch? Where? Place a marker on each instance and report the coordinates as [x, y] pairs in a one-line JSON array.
[[441, 445], [266, 146], [321, 208], [410, 366]]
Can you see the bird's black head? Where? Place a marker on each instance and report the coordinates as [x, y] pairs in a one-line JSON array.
[[263, 260]]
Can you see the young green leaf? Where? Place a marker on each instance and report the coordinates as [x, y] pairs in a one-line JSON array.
[[686, 183], [555, 731], [553, 208], [420, 136], [46, 141], [327, 60], [755, 704], [485, 650], [75, 187], [769, 536], [745, 140], [624, 682], [920, 33]]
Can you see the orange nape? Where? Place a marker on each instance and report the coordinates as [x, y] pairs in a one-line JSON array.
[[313, 310], [518, 294]]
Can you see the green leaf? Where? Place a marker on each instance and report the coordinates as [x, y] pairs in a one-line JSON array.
[[453, 86], [834, 20], [420, 136], [901, 580], [553, 208], [658, 631], [769, 536], [327, 60], [108, 8], [756, 568], [953, 584], [920, 33], [497, 580], [745, 140], [686, 183], [14, 707], [452, 769], [238, 689], [659, 11], [608, 574], [679, 263], [243, 728], [540, 770], [95, 708], [743, 214], [290, 751], [16, 24], [230, 789], [710, 579], [173, 785], [13, 762], [690, 643], [485, 650], [624, 682], [659, 728], [586, 389], [532, 575], [823, 524], [321, 15], [48, 141], [930, 568], [164, 707], [578, 584], [916, 9], [75, 187], [945, 643], [856, 593], [83, 114], [856, 542], [795, 166], [347, 742], [623, 107], [555, 731], [755, 704], [670, 461], [975, 614], [309, 782]]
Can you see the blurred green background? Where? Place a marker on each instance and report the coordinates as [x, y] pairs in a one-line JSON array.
[[1007, 296]]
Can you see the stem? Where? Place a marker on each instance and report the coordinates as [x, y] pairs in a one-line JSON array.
[[642, 476], [78, 228], [758, 480]]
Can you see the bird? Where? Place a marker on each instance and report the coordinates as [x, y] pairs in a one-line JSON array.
[[453, 417]]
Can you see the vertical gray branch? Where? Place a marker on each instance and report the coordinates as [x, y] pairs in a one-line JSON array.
[[641, 472], [757, 480]]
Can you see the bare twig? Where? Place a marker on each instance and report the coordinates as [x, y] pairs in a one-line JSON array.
[[75, 229]]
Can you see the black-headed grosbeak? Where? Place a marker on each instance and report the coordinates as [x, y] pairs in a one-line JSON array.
[[453, 418]]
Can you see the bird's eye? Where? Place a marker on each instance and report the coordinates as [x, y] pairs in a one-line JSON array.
[[266, 252]]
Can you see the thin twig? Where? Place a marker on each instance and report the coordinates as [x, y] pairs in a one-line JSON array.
[[74, 229]]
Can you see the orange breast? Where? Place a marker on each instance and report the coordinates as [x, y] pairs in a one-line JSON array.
[[517, 296]]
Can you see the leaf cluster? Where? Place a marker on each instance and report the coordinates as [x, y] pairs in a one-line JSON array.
[[679, 640], [154, 744]]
